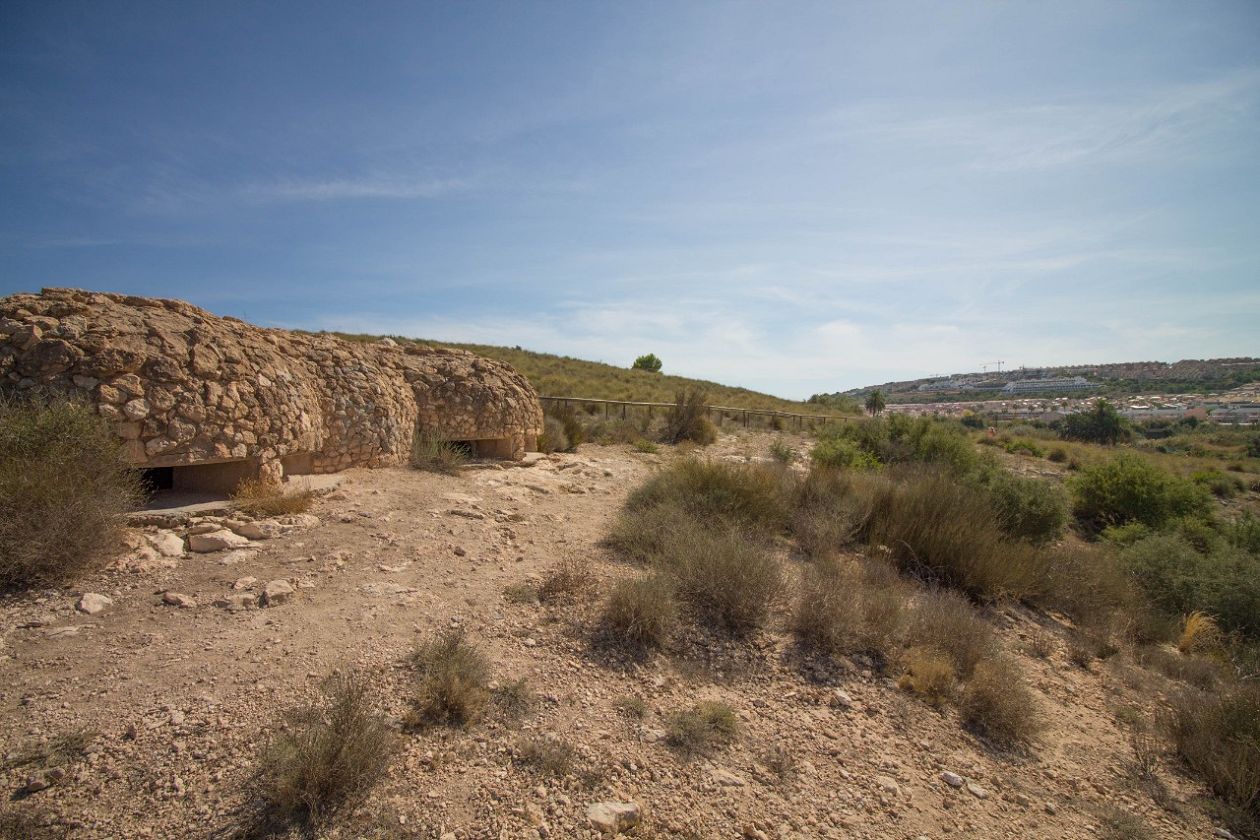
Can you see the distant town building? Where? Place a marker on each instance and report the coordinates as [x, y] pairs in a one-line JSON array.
[[1028, 386]]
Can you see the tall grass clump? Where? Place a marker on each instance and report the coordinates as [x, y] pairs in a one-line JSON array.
[[688, 419], [431, 452], [942, 530], [830, 509], [752, 497], [943, 621], [553, 438], [64, 487], [562, 423], [998, 705], [326, 758], [1218, 737], [725, 578], [1129, 489], [453, 684], [640, 614], [269, 498], [842, 609]]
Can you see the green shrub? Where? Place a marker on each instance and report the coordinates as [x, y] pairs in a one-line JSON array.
[[1100, 424], [1244, 532], [899, 439], [1128, 489], [327, 757], [64, 487], [688, 419], [841, 452], [1023, 446], [1031, 509], [431, 452], [453, 684], [649, 362], [1224, 583], [1218, 736], [998, 705], [1058, 455], [701, 728], [781, 452], [1220, 485], [640, 614]]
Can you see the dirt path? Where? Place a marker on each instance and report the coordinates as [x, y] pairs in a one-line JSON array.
[[178, 700]]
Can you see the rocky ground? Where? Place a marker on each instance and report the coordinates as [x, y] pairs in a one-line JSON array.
[[164, 693]]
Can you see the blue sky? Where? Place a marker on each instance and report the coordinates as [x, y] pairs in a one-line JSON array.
[[794, 197]]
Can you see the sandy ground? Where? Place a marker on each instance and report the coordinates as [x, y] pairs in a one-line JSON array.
[[177, 701]]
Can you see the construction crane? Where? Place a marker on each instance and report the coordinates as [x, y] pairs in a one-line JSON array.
[[999, 364]]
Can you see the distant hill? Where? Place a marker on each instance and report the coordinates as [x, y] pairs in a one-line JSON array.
[[1188, 376], [564, 376]]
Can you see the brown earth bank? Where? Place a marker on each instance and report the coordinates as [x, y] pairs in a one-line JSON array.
[[172, 698]]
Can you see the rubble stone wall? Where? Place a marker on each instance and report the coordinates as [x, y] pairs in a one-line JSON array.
[[182, 386]]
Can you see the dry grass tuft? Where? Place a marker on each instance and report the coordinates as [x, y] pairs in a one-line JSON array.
[[513, 699], [848, 608], [59, 751], [26, 824], [453, 684], [433, 453], [327, 757], [943, 621], [942, 530], [64, 487], [269, 498], [702, 728], [640, 614], [728, 580], [546, 755], [929, 674], [1199, 634], [632, 706], [998, 705], [568, 580]]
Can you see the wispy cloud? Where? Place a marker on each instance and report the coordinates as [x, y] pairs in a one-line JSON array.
[[370, 186]]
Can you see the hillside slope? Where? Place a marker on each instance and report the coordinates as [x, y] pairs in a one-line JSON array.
[[564, 376], [1188, 376]]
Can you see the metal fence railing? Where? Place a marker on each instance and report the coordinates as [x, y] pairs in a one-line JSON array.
[[717, 413]]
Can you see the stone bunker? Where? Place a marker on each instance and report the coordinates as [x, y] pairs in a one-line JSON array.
[[203, 402]]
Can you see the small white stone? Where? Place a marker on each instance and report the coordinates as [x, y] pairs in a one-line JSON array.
[[613, 817], [178, 599], [952, 779], [277, 592], [216, 541], [93, 602]]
